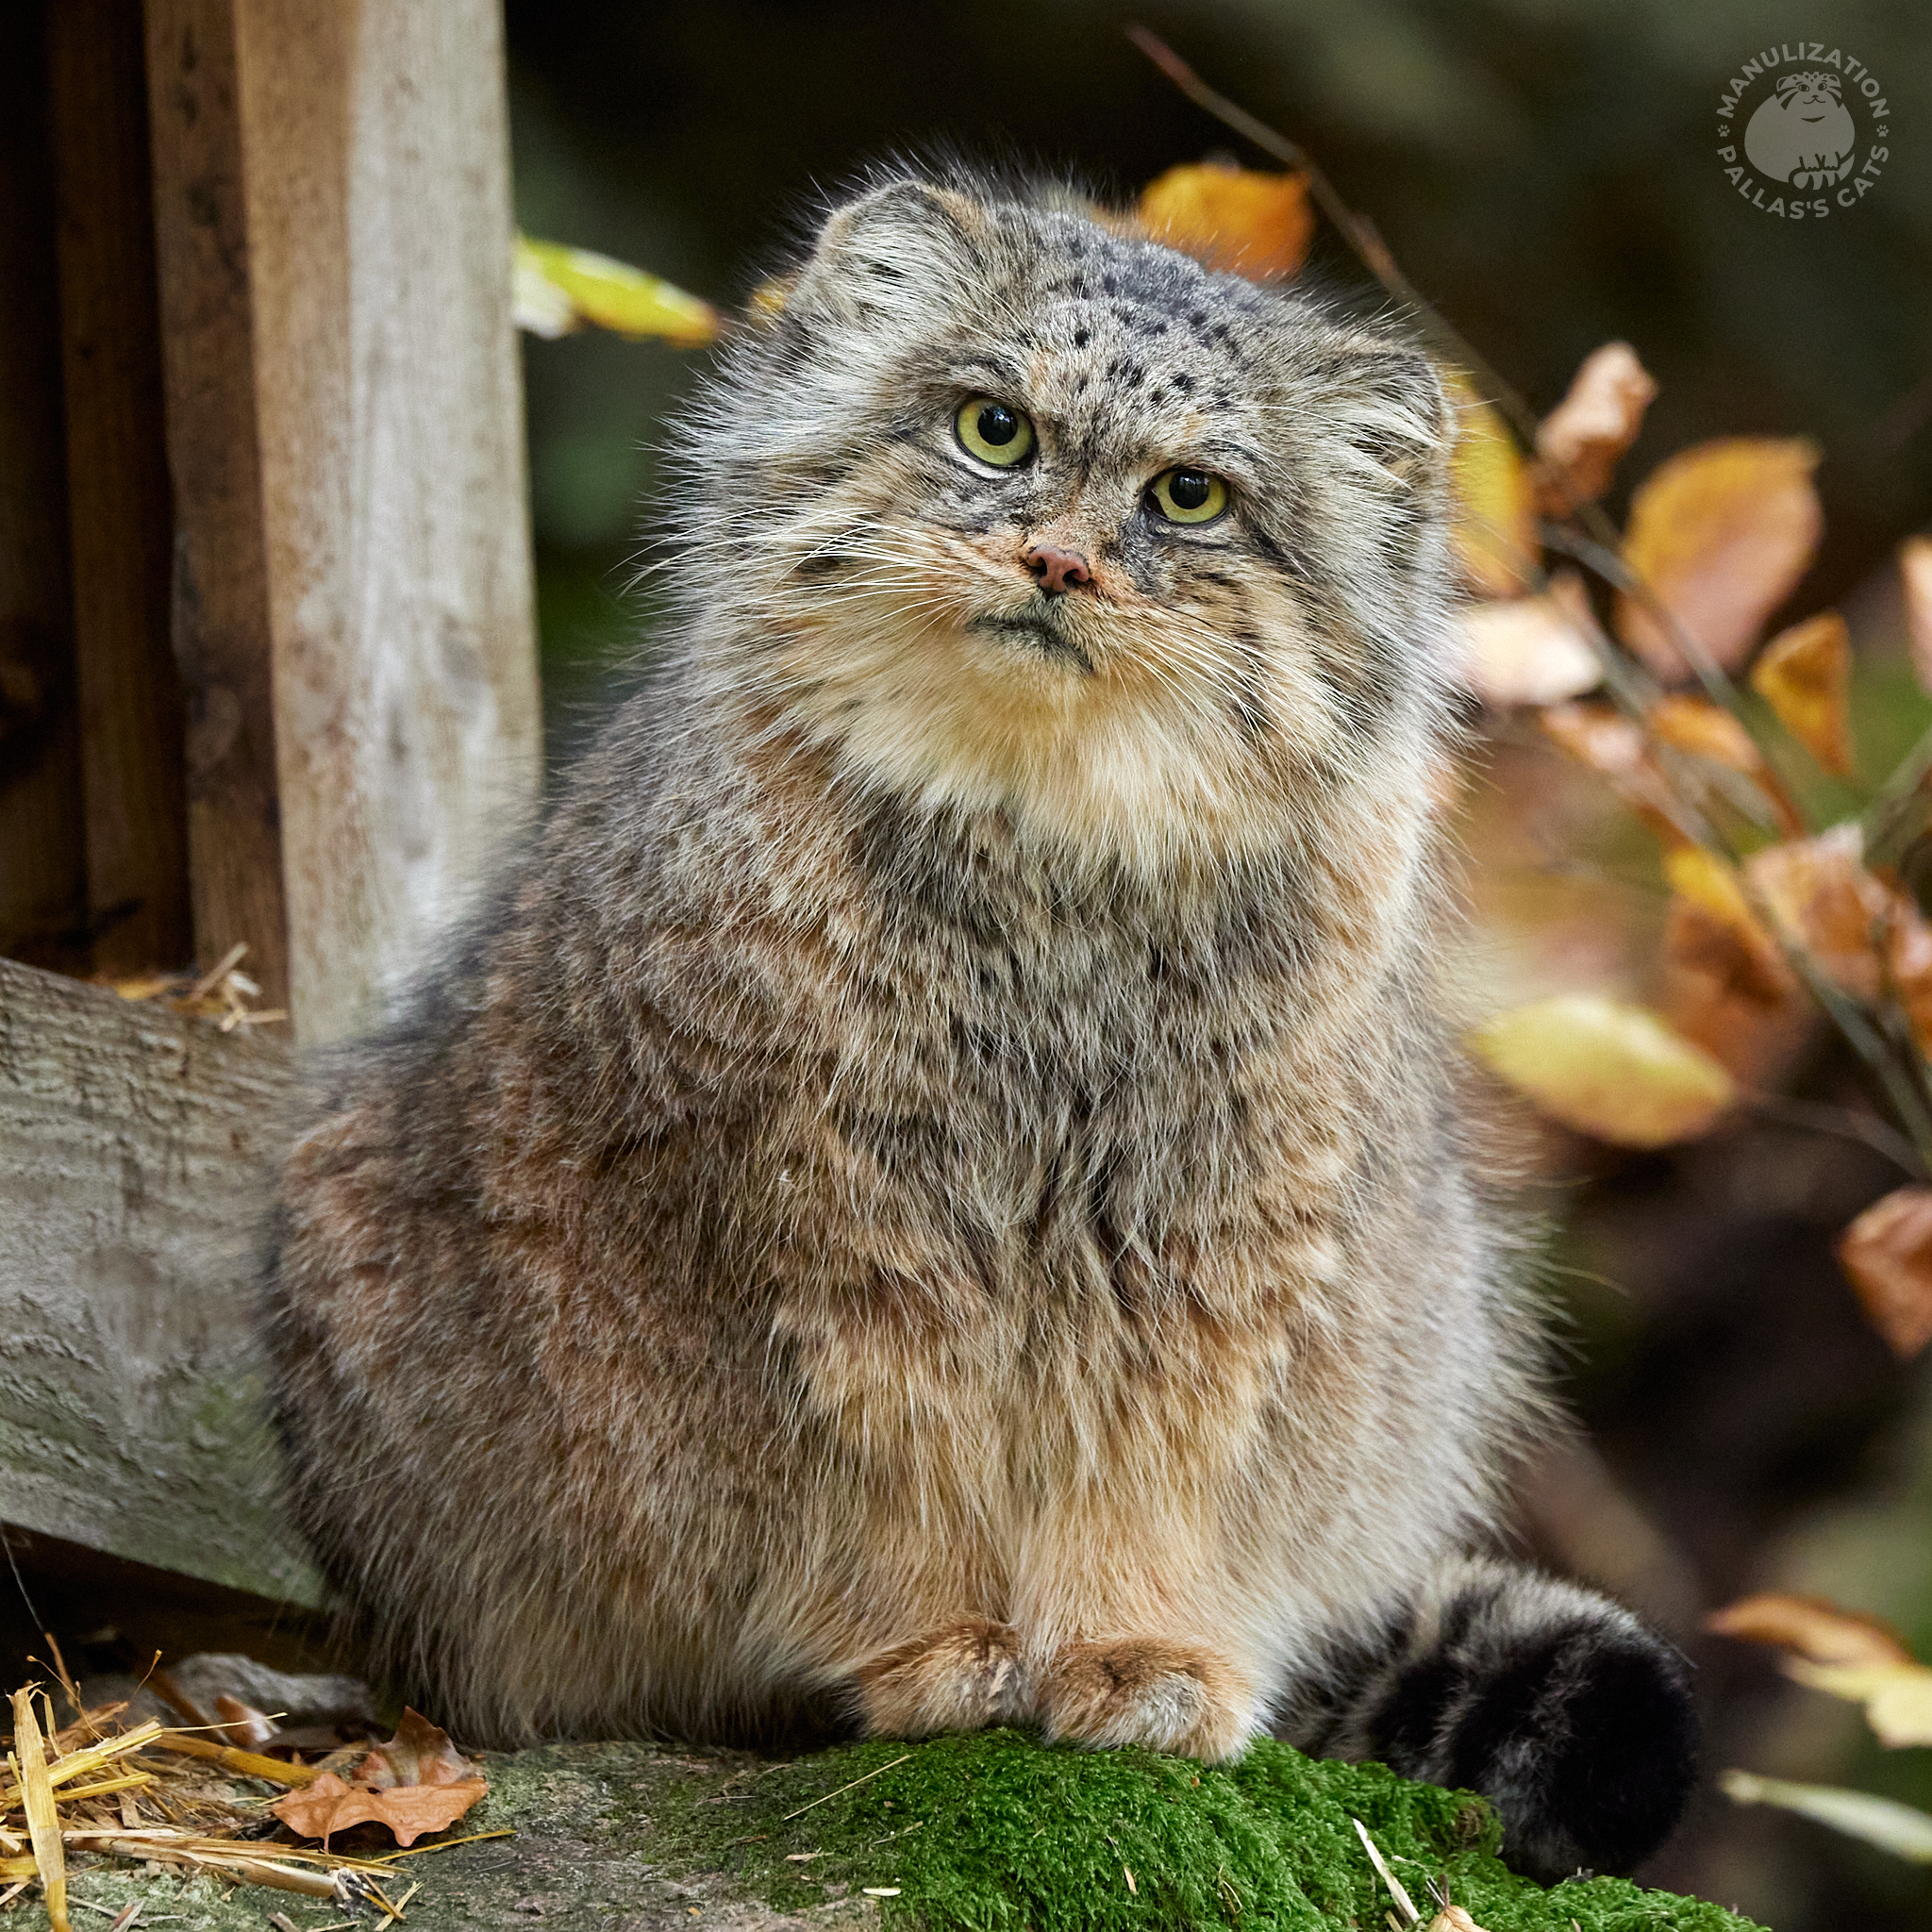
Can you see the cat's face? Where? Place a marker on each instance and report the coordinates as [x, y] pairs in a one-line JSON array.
[[1018, 511]]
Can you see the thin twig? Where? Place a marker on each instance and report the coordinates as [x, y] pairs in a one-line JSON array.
[[866, 1779]]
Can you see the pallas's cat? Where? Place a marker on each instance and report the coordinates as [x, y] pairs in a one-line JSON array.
[[937, 1196]]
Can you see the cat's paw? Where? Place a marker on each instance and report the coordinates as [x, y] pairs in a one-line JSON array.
[[961, 1678], [1168, 1697]]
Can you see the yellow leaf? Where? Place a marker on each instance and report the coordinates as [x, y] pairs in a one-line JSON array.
[[1249, 224], [1532, 649], [1805, 675], [1886, 1255], [1915, 568], [1720, 534], [1882, 1822], [557, 289], [1613, 1071], [1897, 1697], [1494, 499], [1578, 443]]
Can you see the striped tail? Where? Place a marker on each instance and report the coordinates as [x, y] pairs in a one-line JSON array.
[[1555, 1703]]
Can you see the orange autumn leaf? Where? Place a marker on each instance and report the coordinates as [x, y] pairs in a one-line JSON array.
[[1250, 224], [417, 1782], [1842, 1653], [1886, 1255], [1706, 730], [328, 1806], [1915, 568], [1713, 929], [1579, 442], [1805, 675], [1494, 499], [1616, 1071], [1720, 534], [1532, 649]]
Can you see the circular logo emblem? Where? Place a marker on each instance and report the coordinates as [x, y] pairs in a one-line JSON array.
[[1801, 131]]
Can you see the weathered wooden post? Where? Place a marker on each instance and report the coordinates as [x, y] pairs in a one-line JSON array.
[[269, 679]]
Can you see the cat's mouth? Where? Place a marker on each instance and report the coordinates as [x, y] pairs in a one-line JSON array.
[[1039, 631]]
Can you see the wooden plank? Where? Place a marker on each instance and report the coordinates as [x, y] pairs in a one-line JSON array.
[[43, 854], [221, 596], [120, 520], [134, 1145], [387, 419]]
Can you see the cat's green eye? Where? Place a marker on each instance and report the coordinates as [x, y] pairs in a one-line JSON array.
[[994, 432], [1188, 496]]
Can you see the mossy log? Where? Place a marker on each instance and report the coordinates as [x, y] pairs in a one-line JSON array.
[[982, 1833]]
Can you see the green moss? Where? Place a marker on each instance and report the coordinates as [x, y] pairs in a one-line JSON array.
[[993, 1833]]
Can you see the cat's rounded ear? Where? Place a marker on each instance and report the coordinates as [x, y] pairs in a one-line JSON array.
[[1399, 411], [897, 250]]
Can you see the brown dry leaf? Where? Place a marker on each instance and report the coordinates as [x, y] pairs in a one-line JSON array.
[[1599, 736], [1533, 650], [1496, 501], [1805, 675], [417, 1782], [1823, 898], [1579, 442], [1841, 1651], [1720, 534], [1810, 1627], [1250, 224], [330, 1806], [1613, 1071], [1915, 568], [1886, 1255], [419, 1754]]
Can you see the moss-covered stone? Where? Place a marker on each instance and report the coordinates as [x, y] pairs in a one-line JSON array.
[[983, 1833]]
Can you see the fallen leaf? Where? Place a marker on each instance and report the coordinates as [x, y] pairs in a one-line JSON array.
[[1613, 1071], [1453, 1919], [1249, 224], [243, 1726], [1533, 650], [1494, 501], [557, 289], [416, 1782], [1882, 1822], [1720, 534], [1886, 1255], [1810, 1627], [1579, 442], [328, 1806], [419, 1754], [1805, 675]]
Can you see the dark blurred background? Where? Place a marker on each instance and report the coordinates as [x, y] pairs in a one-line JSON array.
[[1545, 171]]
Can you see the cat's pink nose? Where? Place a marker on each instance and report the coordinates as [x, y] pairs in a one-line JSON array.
[[1056, 569]]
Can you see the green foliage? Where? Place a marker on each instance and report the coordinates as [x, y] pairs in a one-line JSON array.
[[991, 1832]]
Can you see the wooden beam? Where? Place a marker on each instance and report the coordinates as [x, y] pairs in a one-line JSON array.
[[134, 1145], [119, 517], [220, 591], [43, 852], [382, 376]]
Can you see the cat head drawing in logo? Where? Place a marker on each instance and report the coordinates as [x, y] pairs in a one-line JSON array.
[[1802, 133]]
